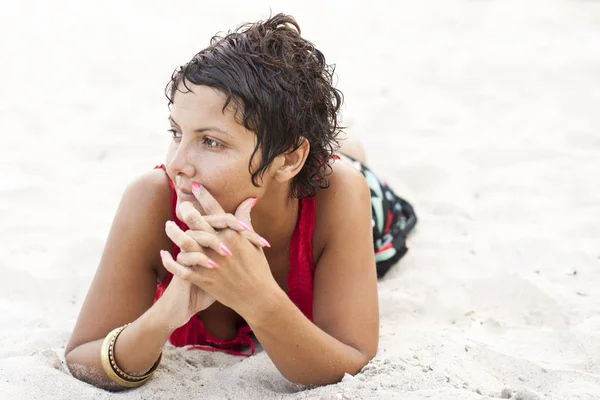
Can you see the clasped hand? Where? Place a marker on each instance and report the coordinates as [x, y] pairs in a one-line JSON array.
[[220, 254]]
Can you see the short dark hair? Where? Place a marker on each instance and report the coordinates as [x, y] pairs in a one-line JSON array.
[[282, 90]]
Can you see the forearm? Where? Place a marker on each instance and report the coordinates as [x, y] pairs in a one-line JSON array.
[[300, 350], [136, 350]]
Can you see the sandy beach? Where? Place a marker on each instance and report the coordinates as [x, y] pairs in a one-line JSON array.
[[484, 114]]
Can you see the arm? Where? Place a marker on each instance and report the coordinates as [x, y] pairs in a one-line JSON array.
[[344, 336], [123, 288]]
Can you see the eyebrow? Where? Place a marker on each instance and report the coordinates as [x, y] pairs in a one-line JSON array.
[[204, 129]]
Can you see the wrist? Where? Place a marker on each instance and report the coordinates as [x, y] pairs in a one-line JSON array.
[[161, 318], [266, 304]]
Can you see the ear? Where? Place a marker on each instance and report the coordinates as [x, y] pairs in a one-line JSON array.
[[289, 164]]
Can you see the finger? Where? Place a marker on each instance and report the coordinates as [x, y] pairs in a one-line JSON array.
[[175, 268], [192, 218], [223, 221], [179, 237], [243, 214], [211, 240], [206, 200], [194, 204], [196, 259], [243, 210], [255, 239]]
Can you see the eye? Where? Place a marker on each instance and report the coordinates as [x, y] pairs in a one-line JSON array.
[[175, 134], [212, 143]]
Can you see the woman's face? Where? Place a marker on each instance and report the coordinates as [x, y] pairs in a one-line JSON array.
[[210, 147]]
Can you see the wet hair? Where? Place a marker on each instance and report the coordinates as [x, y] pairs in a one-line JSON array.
[[282, 90]]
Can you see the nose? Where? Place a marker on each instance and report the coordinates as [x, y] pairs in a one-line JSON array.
[[180, 161]]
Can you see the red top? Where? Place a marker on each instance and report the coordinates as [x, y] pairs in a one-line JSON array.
[[299, 281]]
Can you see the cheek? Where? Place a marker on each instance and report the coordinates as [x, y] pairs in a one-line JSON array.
[[229, 183], [225, 176]]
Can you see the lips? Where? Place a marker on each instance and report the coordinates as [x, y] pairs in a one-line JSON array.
[[185, 195], [182, 190]]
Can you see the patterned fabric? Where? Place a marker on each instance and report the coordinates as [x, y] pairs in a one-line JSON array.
[[393, 219]]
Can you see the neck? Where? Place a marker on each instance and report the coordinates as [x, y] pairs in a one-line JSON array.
[[274, 218]]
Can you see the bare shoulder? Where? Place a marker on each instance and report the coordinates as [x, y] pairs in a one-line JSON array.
[[150, 189], [346, 198], [146, 204]]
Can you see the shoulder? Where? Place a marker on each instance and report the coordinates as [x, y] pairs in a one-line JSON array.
[[144, 208], [345, 183], [147, 199], [347, 199], [149, 190]]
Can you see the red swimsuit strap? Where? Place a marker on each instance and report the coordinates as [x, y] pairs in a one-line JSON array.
[[302, 267]]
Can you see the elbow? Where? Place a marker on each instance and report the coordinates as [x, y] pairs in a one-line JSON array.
[[93, 376], [363, 357], [74, 365], [71, 364], [332, 375], [362, 360], [368, 355]]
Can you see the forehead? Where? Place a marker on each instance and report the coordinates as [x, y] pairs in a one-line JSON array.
[[201, 103]]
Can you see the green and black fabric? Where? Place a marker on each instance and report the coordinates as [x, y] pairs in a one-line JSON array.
[[393, 219]]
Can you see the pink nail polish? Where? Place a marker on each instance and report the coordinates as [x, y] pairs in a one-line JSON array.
[[162, 253], [225, 249], [253, 203], [245, 226], [212, 263], [264, 241], [195, 188]]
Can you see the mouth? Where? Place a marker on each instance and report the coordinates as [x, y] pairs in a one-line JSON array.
[[185, 195], [182, 192]]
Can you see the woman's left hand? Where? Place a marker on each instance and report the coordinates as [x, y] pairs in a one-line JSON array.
[[241, 280]]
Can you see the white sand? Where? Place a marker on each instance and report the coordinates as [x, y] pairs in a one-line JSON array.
[[484, 113]]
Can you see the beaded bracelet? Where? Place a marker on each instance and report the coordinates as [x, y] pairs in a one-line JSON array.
[[109, 364]]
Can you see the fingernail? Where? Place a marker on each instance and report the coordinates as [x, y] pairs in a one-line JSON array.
[[245, 226], [264, 241], [168, 222], [212, 263], [195, 188], [162, 253], [225, 249], [253, 203]]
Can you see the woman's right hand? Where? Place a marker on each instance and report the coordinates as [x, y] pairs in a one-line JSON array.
[[182, 300]]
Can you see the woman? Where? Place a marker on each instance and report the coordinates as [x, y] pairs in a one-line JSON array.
[[254, 225]]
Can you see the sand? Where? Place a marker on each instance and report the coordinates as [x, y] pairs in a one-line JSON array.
[[483, 113]]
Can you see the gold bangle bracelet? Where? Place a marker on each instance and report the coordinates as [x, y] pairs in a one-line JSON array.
[[120, 372], [111, 369]]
